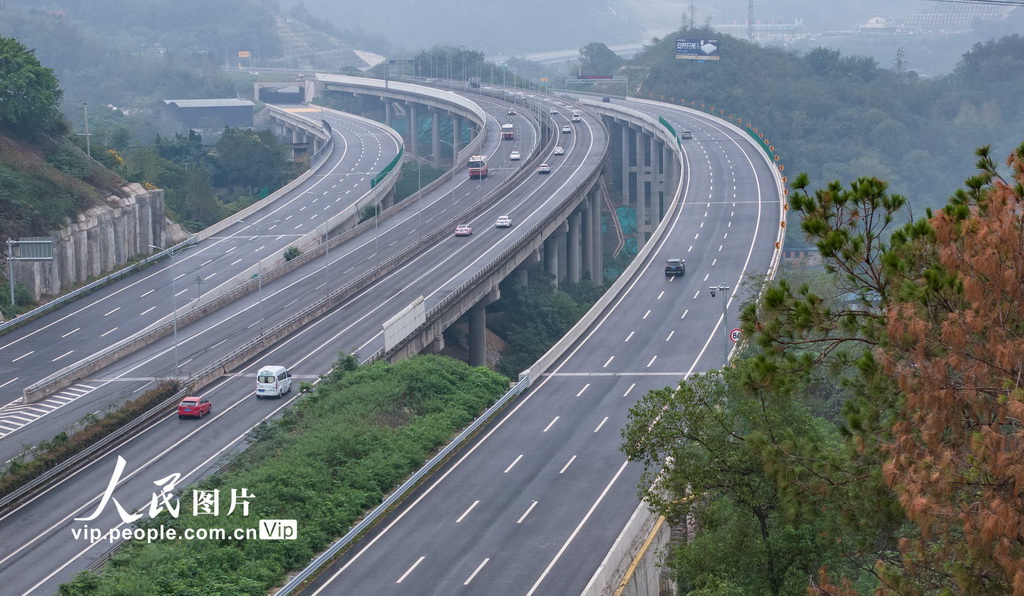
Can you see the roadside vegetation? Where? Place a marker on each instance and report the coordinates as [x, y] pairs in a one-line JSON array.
[[332, 456], [868, 439], [48, 454]]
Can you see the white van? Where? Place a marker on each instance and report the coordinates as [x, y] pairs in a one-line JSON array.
[[273, 381]]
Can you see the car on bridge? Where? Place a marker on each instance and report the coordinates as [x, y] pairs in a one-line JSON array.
[[195, 407], [686, 135], [543, 169], [514, 156], [558, 151], [504, 221], [511, 112], [674, 267], [566, 129], [463, 230]]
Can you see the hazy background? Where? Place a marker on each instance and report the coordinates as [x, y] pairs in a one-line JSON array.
[[528, 27]]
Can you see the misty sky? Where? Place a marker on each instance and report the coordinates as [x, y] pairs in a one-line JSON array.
[[524, 26]]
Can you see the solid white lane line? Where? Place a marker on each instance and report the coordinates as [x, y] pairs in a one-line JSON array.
[[466, 512], [70, 332], [550, 424], [567, 464], [578, 528], [511, 465], [414, 565], [527, 512], [582, 390], [475, 571], [602, 424]]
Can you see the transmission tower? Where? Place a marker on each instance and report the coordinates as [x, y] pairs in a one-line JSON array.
[[750, 20]]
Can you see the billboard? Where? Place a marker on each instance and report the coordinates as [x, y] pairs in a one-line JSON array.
[[697, 49]]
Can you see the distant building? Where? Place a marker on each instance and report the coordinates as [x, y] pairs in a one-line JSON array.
[[207, 114]]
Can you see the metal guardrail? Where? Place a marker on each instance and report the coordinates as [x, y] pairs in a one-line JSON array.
[[74, 295], [111, 440], [400, 493]]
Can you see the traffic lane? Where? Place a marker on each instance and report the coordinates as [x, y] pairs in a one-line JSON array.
[[40, 535], [520, 477], [39, 350], [275, 312]]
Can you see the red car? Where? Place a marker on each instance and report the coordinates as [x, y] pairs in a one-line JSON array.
[[194, 406]]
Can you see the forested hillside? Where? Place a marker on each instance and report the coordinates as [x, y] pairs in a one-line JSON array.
[[840, 117]]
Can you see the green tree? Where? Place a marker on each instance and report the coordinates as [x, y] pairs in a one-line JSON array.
[[251, 159], [598, 59], [29, 93]]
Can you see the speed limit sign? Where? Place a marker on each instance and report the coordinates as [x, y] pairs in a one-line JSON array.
[[735, 335]]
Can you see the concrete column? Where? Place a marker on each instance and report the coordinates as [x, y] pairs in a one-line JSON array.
[[456, 136], [435, 137], [563, 261], [595, 212], [641, 193], [573, 253], [413, 130], [436, 346], [388, 200], [551, 257], [657, 186], [478, 334], [587, 236], [626, 133], [388, 112]]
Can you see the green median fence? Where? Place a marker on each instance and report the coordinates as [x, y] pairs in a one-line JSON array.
[[667, 125], [387, 170]]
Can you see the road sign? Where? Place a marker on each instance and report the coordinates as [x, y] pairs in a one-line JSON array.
[[735, 335]]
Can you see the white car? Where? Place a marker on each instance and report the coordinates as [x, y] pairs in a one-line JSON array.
[[558, 151], [514, 156], [504, 221], [566, 130], [554, 110], [463, 230], [543, 169]]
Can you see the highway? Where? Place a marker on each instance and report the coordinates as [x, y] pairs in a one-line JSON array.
[[39, 550], [535, 502], [117, 311]]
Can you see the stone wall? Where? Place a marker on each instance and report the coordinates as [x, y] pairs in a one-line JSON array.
[[100, 240]]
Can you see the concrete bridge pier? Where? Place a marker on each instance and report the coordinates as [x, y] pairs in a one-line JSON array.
[[435, 137], [597, 244], [478, 329], [551, 257], [389, 114], [572, 254], [456, 137], [411, 118]]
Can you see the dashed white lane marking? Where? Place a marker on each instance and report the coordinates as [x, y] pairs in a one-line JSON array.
[[408, 571], [511, 465], [475, 571], [550, 424], [601, 424], [527, 512], [567, 464]]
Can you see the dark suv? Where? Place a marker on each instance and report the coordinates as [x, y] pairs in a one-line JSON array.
[[675, 267]]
